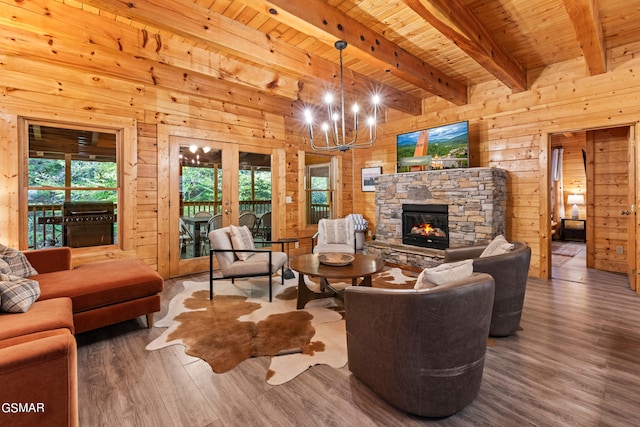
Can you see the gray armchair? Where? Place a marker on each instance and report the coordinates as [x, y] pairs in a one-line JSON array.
[[263, 262], [421, 350], [510, 272]]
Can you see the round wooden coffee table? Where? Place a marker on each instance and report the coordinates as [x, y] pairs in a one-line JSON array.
[[362, 266]]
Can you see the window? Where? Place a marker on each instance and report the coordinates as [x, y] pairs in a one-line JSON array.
[[319, 189], [72, 186]]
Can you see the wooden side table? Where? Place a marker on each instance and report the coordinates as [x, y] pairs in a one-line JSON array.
[[574, 229]]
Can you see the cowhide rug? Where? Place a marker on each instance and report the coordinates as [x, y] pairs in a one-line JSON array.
[[240, 322]]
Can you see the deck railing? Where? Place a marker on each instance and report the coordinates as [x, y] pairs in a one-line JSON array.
[[41, 234]]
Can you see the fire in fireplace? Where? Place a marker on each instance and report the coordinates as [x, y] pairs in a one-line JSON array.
[[425, 225]]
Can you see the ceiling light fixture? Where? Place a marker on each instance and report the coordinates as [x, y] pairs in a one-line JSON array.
[[335, 127]]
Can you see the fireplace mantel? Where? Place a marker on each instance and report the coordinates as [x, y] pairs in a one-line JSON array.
[[477, 200]]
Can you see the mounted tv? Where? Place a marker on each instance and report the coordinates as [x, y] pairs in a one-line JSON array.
[[442, 147]]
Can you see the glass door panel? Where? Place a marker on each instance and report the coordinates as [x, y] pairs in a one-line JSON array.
[[255, 194], [201, 179]]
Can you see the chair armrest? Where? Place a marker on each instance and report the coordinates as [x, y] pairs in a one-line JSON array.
[[314, 240], [43, 371], [50, 259], [462, 253]]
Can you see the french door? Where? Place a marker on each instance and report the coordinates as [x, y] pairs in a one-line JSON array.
[[212, 185]]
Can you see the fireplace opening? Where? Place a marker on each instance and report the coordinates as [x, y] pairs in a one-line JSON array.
[[426, 226]]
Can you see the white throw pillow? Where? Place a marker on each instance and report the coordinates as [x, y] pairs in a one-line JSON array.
[[445, 273], [422, 282], [242, 239], [498, 246]]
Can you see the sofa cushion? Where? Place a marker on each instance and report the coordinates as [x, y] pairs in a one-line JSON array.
[[257, 264], [444, 273], [242, 240], [46, 315], [17, 261], [17, 293], [101, 283], [498, 246]]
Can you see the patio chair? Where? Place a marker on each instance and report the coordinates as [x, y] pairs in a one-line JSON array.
[[249, 219], [186, 238]]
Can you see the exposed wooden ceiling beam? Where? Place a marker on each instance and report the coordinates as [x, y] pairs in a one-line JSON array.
[[319, 19], [62, 22], [456, 22], [585, 18], [198, 23]]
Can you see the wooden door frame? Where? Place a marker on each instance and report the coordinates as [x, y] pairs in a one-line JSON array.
[[634, 188], [168, 236]]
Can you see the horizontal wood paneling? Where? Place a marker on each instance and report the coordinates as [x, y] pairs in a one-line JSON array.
[[512, 133]]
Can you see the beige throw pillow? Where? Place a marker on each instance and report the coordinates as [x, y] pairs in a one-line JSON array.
[[336, 231], [498, 246], [444, 273], [242, 239]]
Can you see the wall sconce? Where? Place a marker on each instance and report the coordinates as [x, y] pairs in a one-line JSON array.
[[575, 200]]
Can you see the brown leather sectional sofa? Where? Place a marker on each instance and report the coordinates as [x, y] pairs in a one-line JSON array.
[[38, 362]]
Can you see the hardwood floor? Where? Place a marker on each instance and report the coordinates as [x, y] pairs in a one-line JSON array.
[[576, 362]]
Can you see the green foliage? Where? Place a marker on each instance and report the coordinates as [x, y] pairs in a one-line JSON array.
[[99, 177], [198, 184]]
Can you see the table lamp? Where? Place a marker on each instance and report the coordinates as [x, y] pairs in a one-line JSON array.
[[575, 200]]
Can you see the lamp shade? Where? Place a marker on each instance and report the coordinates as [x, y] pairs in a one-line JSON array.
[[575, 199]]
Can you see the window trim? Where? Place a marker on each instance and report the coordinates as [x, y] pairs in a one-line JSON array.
[[126, 159]]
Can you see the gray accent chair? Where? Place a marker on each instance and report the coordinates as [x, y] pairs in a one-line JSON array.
[[510, 272], [422, 350], [264, 261]]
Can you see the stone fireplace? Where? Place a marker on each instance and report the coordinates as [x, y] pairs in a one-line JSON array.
[[475, 200]]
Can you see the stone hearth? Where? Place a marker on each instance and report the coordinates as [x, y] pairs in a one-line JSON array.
[[477, 200]]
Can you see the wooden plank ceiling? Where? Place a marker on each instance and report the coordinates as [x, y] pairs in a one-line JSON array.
[[406, 49]]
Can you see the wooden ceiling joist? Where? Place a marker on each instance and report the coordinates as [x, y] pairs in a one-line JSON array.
[[319, 19], [456, 22], [196, 22], [585, 18]]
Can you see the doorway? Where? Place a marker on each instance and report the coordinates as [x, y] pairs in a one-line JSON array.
[[592, 191], [214, 185]]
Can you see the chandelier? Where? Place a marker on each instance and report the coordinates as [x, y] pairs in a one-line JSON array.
[[334, 127]]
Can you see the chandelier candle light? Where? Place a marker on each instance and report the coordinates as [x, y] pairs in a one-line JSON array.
[[334, 139]]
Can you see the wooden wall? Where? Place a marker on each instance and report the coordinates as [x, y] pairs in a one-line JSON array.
[[512, 131], [57, 74]]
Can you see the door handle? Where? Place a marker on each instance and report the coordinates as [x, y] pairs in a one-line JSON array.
[[624, 212]]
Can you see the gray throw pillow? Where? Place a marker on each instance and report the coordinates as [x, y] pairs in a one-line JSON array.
[[17, 293], [18, 263]]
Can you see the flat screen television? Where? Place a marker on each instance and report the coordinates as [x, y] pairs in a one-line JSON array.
[[442, 147]]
